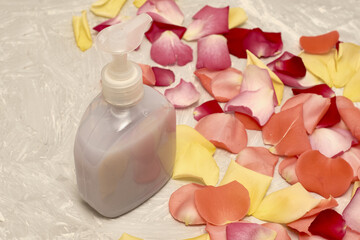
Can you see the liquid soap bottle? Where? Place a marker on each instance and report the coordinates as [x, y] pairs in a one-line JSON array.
[[125, 145]]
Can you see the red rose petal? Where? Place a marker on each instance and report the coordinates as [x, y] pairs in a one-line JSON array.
[[248, 122], [287, 170], [164, 77], [351, 212], [332, 116], [319, 44], [182, 95], [182, 205], [325, 176], [207, 21], [207, 108], [148, 75], [168, 49], [224, 131], [165, 11], [107, 23], [328, 224], [290, 64], [248, 231], [157, 28], [258, 159], [212, 53], [223, 204], [235, 39], [321, 89], [281, 231]]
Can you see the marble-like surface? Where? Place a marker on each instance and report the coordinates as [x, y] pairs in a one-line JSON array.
[[46, 83]]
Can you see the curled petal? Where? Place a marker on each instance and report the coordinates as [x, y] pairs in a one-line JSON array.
[[182, 95], [204, 236], [107, 23], [163, 77], [126, 236], [207, 21], [212, 53], [328, 224], [223, 204], [168, 50], [323, 175], [332, 116], [281, 231], [107, 8], [207, 108], [216, 232], [331, 141], [224, 131], [157, 28], [287, 170], [148, 75], [237, 16], [256, 183], [249, 231], [261, 110], [321, 89], [165, 11], [286, 205], [82, 31], [248, 122], [258, 159], [350, 115], [319, 44], [351, 212], [182, 205]]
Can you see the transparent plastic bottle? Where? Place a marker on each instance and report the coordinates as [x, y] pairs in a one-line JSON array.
[[125, 145]]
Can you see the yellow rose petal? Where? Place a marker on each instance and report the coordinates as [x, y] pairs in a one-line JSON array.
[[107, 8], [256, 183], [193, 161], [286, 205], [237, 16], [277, 83], [139, 3], [126, 236], [352, 88], [205, 236], [186, 134], [355, 187], [82, 31]]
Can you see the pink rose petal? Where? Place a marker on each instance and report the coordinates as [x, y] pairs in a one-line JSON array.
[[287, 170], [321, 89], [248, 231], [182, 205], [224, 131], [157, 28], [304, 236], [213, 53], [351, 235], [207, 21], [351, 212], [164, 77], [182, 95], [207, 108], [216, 232], [168, 49], [331, 141], [332, 116], [148, 75], [258, 159], [281, 231], [261, 44], [261, 109], [107, 23], [165, 11], [328, 224]]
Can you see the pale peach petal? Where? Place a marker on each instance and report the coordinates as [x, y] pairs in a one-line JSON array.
[[216, 232], [165, 11], [281, 231], [351, 212], [287, 170], [237, 16], [182, 95]]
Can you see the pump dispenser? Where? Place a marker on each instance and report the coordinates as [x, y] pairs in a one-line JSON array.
[[125, 145]]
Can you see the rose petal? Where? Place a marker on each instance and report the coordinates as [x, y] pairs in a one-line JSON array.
[[224, 131], [323, 175], [164, 77], [248, 122], [331, 141], [165, 11], [287, 170], [107, 8], [304, 236], [328, 224], [249, 231], [350, 115], [205, 76], [351, 235], [356, 186], [182, 205], [235, 39], [352, 88], [261, 110], [82, 31], [148, 75], [258, 159], [108, 23], [223, 204], [216, 232], [332, 116], [204, 236], [168, 50], [319, 44], [257, 184], [237, 16], [139, 3], [286, 205], [351, 212], [126, 236], [157, 28], [212, 53], [209, 20], [286, 131], [314, 108], [207, 108], [321, 89], [323, 205], [282, 233], [182, 95]]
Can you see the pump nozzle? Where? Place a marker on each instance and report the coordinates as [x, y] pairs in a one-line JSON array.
[[121, 79]]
